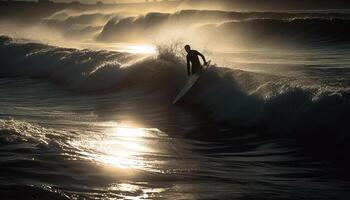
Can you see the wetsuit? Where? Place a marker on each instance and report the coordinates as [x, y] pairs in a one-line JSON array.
[[192, 57]]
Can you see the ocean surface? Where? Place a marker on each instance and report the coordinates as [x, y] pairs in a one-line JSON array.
[[265, 122]]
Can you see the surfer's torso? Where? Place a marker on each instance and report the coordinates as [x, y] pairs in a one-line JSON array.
[[192, 57]]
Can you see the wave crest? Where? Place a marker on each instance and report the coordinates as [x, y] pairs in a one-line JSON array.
[[251, 28]]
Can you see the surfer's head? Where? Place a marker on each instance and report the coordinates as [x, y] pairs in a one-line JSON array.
[[187, 48]]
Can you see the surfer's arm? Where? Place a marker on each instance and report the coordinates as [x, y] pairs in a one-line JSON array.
[[201, 55], [188, 66]]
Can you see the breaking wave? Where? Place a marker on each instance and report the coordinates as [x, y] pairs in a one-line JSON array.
[[256, 29], [246, 28], [273, 105]]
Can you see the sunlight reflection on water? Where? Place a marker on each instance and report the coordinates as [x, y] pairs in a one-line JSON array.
[[134, 158], [128, 191], [120, 146]]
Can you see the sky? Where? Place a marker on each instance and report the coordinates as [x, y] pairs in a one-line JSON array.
[[117, 1], [244, 4], [94, 1]]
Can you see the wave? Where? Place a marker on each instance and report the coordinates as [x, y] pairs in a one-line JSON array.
[[310, 31], [251, 28], [21, 131], [200, 26], [315, 116], [273, 105], [79, 70], [78, 26]]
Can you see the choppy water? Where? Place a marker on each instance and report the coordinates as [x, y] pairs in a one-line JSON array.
[[55, 143]]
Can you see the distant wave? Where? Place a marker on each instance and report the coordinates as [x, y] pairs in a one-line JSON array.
[[273, 105], [77, 25], [235, 27], [299, 31]]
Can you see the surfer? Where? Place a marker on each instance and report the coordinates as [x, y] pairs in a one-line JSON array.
[[194, 72], [192, 58]]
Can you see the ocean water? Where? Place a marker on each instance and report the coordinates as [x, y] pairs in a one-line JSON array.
[[263, 123]]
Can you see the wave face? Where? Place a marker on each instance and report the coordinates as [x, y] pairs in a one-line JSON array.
[[278, 106], [310, 31], [273, 105], [77, 26], [78, 70]]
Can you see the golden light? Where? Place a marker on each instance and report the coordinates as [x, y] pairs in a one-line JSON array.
[[117, 145], [140, 49], [129, 132], [120, 47], [135, 191]]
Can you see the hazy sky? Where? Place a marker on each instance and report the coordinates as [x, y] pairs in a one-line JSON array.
[[94, 1], [345, 2], [117, 1], [245, 4]]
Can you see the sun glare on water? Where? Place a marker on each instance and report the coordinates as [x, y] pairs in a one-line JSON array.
[[123, 150], [119, 146]]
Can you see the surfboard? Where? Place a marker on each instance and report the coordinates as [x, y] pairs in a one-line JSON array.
[[190, 83]]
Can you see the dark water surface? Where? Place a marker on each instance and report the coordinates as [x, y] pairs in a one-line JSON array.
[[57, 144]]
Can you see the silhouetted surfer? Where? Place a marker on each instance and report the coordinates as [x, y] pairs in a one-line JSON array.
[[192, 58]]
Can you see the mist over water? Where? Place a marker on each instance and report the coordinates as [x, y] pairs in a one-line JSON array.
[[86, 113]]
